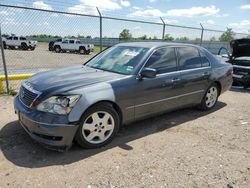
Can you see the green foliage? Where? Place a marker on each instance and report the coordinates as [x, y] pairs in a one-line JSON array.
[[212, 39], [144, 37], [182, 39], [125, 34], [227, 36], [168, 37]]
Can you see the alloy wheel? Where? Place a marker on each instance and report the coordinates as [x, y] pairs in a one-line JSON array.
[[98, 127], [211, 96]]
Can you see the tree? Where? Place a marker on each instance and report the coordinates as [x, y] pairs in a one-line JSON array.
[[144, 37], [168, 37], [155, 38], [227, 36], [212, 39], [125, 34], [182, 39]]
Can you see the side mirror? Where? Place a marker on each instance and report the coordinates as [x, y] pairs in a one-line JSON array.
[[148, 73]]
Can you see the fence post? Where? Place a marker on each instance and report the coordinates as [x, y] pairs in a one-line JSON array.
[[100, 15], [4, 63], [202, 30], [163, 32]]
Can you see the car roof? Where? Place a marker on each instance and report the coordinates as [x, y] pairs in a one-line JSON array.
[[153, 44]]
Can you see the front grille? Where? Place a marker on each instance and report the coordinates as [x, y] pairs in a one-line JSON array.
[[241, 71], [26, 96]]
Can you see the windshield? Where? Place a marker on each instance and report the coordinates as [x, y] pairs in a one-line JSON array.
[[120, 59]]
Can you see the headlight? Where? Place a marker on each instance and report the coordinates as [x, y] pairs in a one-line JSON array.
[[58, 104]]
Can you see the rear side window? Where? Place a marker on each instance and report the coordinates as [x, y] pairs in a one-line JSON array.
[[163, 60], [71, 41], [189, 58], [204, 60], [15, 38]]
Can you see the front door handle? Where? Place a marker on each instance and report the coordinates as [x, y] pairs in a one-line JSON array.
[[174, 80], [206, 73]]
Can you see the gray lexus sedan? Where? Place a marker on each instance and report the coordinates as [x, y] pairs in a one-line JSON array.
[[127, 82]]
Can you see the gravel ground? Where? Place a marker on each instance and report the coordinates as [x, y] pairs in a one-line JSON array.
[[20, 61], [186, 148]]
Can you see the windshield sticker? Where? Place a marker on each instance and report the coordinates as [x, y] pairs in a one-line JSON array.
[[130, 68], [131, 53]]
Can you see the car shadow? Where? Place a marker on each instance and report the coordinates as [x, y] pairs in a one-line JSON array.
[[22, 151]]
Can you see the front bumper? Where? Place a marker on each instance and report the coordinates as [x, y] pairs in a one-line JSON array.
[[243, 80], [51, 130]]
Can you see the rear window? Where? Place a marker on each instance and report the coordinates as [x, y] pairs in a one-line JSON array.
[[189, 58]]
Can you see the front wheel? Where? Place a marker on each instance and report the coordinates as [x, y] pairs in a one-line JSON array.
[[24, 46], [82, 50], [32, 48], [57, 49], [210, 98], [98, 127]]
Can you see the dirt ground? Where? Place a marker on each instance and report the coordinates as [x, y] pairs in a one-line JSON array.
[[186, 148]]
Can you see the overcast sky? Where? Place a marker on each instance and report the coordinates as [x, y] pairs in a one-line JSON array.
[[211, 13]]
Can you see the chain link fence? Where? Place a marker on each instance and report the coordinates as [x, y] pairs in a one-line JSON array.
[[46, 26]]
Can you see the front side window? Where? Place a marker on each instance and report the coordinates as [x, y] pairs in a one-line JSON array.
[[120, 59], [71, 41], [65, 41], [15, 38], [22, 38], [163, 60], [189, 58]]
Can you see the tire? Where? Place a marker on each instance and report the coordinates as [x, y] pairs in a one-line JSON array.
[[245, 86], [82, 50], [210, 98], [4, 45], [87, 52], [96, 132], [32, 48], [58, 49], [24, 46]]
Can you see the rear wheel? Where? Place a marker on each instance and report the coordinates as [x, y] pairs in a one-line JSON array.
[[99, 126], [82, 50], [210, 98], [4, 45]]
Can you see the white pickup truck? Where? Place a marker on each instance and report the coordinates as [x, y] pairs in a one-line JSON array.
[[14, 42], [73, 45]]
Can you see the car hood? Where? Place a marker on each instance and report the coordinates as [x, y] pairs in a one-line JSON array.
[[240, 47], [70, 78]]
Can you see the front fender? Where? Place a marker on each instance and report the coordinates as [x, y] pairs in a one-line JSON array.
[[91, 95]]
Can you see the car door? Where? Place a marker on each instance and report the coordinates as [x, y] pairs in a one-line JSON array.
[[16, 42], [154, 95], [9, 41], [194, 74], [65, 44], [71, 45]]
